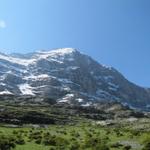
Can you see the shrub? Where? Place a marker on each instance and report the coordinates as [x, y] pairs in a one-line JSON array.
[[52, 148], [102, 147], [38, 141], [147, 146], [61, 141], [135, 133], [15, 132], [55, 141], [20, 141], [74, 146], [127, 147], [6, 143], [116, 145], [49, 140], [95, 142], [35, 136]]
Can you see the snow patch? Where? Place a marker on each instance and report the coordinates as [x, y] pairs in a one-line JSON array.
[[132, 119], [26, 89], [37, 77], [112, 88], [87, 104], [113, 85], [6, 92], [79, 100], [72, 67], [107, 67], [66, 98], [65, 81], [24, 62], [3, 84], [108, 77]]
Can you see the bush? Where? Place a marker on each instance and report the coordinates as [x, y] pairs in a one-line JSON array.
[[52, 148], [20, 141], [74, 146], [116, 145], [49, 140], [127, 147], [147, 146], [35, 136], [102, 147], [55, 141], [38, 141], [6, 143], [135, 133], [96, 143]]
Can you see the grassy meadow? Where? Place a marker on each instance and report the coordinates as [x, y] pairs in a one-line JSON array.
[[84, 136]]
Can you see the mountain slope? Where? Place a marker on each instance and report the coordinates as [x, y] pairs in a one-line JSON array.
[[67, 76]]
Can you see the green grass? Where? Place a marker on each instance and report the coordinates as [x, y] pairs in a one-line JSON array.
[[31, 146], [74, 134]]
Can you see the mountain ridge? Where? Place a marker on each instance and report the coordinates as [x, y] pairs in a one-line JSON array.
[[69, 76]]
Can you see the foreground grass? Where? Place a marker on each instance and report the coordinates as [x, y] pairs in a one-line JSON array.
[[78, 137]]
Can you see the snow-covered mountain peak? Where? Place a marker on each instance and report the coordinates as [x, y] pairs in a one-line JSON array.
[[57, 53], [66, 74], [60, 51], [19, 61]]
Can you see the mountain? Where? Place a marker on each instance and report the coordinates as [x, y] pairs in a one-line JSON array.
[[68, 76]]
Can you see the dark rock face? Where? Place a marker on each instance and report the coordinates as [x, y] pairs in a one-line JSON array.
[[67, 76]]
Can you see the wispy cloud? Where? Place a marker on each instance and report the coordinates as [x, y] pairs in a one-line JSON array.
[[2, 24]]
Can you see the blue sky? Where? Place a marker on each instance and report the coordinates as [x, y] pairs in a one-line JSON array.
[[114, 32]]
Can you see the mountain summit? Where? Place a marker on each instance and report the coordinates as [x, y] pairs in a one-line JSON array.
[[69, 76]]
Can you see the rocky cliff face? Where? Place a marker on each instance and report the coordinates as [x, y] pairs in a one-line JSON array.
[[67, 76]]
